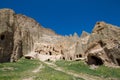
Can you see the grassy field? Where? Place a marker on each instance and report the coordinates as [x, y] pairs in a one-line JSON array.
[[80, 67], [48, 73], [17, 71], [22, 70]]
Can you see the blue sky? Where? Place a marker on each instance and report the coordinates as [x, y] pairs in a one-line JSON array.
[[67, 16]]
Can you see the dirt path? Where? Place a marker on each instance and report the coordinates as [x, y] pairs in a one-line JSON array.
[[80, 75], [38, 69], [35, 71]]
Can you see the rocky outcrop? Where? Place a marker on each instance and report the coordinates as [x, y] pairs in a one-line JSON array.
[[23, 36], [18, 34], [6, 34], [84, 34], [103, 44]]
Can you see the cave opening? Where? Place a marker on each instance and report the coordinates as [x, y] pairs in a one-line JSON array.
[[28, 57], [2, 37], [63, 58], [76, 56], [80, 55], [50, 53], [70, 58], [94, 60], [118, 61]]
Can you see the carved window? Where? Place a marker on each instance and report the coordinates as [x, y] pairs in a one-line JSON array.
[[50, 53], [80, 55], [63, 58], [70, 58]]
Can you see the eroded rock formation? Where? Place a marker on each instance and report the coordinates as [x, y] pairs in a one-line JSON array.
[[23, 36]]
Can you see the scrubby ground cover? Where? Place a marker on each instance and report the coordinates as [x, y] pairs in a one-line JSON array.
[[31, 70], [80, 67]]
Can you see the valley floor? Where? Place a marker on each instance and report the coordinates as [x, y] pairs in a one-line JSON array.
[[26, 69]]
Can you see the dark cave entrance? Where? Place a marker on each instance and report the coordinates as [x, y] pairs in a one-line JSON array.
[[63, 58], [50, 53], [2, 37], [79, 56], [118, 61], [28, 57], [70, 58], [94, 60]]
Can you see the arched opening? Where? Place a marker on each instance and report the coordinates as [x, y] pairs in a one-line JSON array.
[[28, 57], [50, 53], [63, 58], [80, 55], [2, 37], [48, 60], [77, 56], [94, 60], [70, 58], [118, 61]]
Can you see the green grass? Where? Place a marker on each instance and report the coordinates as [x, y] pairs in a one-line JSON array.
[[23, 69], [50, 74], [18, 70], [80, 67]]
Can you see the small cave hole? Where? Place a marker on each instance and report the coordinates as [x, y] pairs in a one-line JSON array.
[[28, 57], [2, 37], [63, 58], [80, 55], [48, 60], [94, 60], [50, 53], [77, 56], [70, 58]]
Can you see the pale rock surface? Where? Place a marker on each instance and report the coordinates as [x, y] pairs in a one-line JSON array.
[[23, 36]]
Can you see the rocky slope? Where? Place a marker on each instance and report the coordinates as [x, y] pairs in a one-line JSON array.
[[23, 36]]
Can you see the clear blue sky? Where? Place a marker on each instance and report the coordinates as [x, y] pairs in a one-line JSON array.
[[67, 16]]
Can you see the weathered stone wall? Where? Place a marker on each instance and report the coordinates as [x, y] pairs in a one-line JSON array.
[[6, 34], [106, 37], [18, 34]]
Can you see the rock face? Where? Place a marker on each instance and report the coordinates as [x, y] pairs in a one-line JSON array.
[[103, 46], [23, 36], [18, 34]]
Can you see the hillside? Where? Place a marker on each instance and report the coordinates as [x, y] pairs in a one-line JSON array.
[[23, 37], [26, 69]]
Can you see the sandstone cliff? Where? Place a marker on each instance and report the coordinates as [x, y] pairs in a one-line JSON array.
[[23, 36]]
